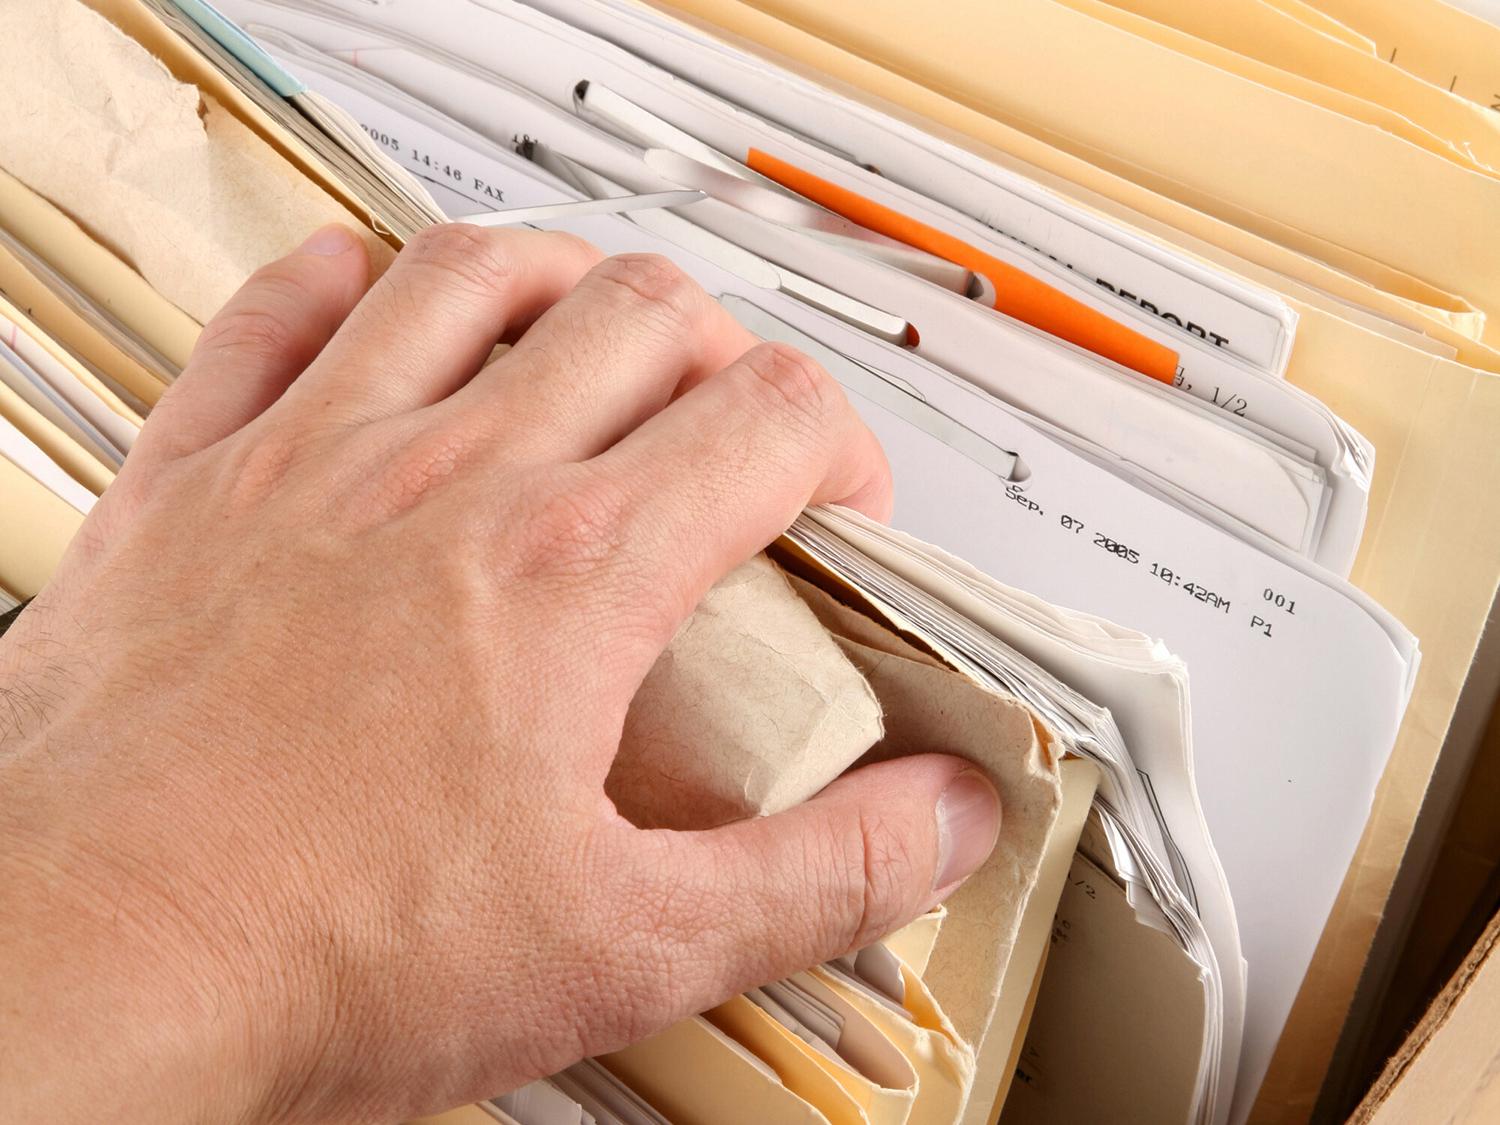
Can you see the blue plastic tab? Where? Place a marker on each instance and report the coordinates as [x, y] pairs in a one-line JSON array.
[[241, 46]]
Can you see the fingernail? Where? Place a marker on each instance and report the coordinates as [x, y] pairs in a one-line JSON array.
[[968, 817], [333, 239]]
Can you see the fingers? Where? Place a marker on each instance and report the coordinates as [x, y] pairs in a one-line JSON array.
[[433, 318], [725, 469], [604, 359], [258, 344], [874, 850]]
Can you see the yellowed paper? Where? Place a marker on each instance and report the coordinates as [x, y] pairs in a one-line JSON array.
[[95, 270], [146, 28], [65, 453], [1122, 995], [995, 1067], [1438, 42], [195, 201], [29, 556], [1255, 29], [694, 1074], [1261, 154], [799, 1067], [751, 709], [54, 317], [913, 942], [106, 396], [929, 705], [944, 1067]]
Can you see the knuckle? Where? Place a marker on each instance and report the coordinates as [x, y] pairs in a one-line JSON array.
[[573, 527], [788, 382], [261, 467], [253, 333], [651, 281], [651, 277], [426, 461], [887, 867], [285, 284], [466, 258]]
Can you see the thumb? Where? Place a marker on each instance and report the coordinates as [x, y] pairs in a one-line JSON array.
[[875, 849]]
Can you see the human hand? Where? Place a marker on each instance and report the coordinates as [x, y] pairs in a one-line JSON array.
[[304, 746]]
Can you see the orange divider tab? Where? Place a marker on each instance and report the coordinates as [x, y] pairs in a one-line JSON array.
[[1017, 293]]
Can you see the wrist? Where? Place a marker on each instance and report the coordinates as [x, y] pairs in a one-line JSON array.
[[120, 989]]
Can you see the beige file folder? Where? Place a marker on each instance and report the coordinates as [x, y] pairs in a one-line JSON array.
[[1216, 54], [1307, 13], [54, 317], [143, 25], [935, 109], [28, 559], [95, 270], [66, 453], [1431, 553], [1257, 30], [1058, 73], [694, 1074], [799, 1067], [1443, 44], [65, 357]]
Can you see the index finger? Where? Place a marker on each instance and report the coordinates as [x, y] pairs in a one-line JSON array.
[[725, 469]]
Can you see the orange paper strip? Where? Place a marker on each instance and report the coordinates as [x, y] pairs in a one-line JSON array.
[[1017, 293]]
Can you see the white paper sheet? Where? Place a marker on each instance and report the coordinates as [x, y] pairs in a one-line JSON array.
[[1233, 475], [24, 454]]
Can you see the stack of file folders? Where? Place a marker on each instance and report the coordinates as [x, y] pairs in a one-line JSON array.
[[1174, 321]]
